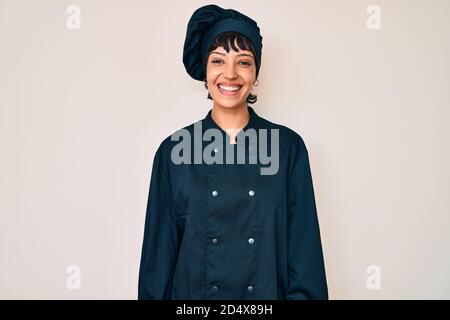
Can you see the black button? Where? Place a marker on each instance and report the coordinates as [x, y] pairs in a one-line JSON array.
[[214, 288]]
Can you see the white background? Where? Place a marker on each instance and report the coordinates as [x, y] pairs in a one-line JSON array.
[[83, 111]]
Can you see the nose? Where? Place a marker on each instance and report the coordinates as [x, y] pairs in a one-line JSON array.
[[230, 71]]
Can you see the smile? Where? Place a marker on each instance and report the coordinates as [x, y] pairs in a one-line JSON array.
[[228, 90]]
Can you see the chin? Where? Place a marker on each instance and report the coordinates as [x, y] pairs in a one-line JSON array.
[[226, 102]]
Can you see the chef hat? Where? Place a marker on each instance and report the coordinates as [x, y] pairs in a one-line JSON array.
[[208, 22]]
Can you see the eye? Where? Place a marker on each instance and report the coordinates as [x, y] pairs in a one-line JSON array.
[[215, 61], [246, 63]]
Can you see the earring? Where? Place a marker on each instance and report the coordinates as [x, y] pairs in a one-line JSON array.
[[257, 83], [205, 82]]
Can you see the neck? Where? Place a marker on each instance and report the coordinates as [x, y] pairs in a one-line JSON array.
[[231, 120]]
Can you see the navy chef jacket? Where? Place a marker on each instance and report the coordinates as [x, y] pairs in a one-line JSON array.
[[224, 231]]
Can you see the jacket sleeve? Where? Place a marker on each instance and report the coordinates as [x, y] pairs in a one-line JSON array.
[[161, 239], [306, 270]]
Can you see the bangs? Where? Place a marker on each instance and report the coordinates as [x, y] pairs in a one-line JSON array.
[[228, 39]]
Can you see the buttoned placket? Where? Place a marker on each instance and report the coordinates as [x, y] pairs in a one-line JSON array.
[[213, 284]]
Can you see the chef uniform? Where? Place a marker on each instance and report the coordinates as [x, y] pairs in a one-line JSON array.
[[226, 231]]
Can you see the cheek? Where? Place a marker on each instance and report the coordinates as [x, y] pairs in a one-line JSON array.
[[212, 76], [249, 76]]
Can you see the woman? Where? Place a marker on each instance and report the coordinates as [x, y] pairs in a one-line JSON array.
[[240, 229]]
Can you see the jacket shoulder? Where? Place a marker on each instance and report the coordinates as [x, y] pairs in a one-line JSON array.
[[289, 136], [165, 147]]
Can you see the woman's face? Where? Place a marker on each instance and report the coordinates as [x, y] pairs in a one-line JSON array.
[[230, 76]]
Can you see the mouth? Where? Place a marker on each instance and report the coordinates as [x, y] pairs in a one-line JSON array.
[[229, 90]]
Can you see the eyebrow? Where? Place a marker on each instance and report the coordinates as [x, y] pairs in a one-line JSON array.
[[241, 54]]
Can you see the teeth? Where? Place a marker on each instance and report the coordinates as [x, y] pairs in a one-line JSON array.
[[229, 88]]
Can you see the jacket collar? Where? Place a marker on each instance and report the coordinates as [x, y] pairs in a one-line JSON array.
[[208, 121]]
